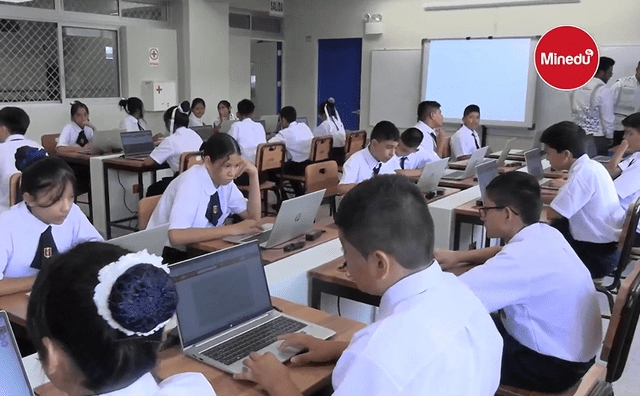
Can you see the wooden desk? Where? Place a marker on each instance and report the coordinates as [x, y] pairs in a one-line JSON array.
[[75, 157], [308, 378], [16, 307], [462, 184], [461, 165], [456, 185], [555, 174]]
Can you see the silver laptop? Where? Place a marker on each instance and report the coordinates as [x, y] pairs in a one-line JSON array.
[[535, 143], [225, 312], [431, 175], [152, 239], [534, 167], [502, 155], [225, 126], [295, 218], [476, 158], [271, 123], [13, 380], [137, 145], [204, 131], [486, 171], [105, 142]]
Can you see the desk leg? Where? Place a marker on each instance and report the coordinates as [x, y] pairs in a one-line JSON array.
[[141, 185], [456, 233], [316, 293], [107, 206]]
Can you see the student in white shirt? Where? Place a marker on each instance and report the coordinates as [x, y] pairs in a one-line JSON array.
[[592, 109], [13, 125], [331, 125], [626, 101], [432, 336], [550, 316], [373, 160], [79, 132], [627, 172], [588, 199], [409, 153], [134, 121], [45, 223], [430, 124], [197, 112], [91, 330], [248, 133], [466, 140], [198, 201], [224, 114]]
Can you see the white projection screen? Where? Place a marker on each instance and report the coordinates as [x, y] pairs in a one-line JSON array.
[[497, 74]]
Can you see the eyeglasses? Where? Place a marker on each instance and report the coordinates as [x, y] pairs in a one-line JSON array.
[[483, 211]]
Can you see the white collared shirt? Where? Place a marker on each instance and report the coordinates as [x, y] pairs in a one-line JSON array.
[[628, 183], [249, 134], [432, 336], [70, 133], [170, 149], [626, 99], [429, 141], [328, 128], [184, 202], [183, 384], [593, 112], [589, 200], [464, 142], [8, 164], [132, 124], [416, 160], [547, 294], [195, 121], [20, 235], [297, 139], [359, 167], [218, 121]]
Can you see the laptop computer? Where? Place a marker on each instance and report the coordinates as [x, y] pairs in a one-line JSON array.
[[225, 126], [204, 131], [534, 167], [271, 123], [224, 309], [13, 380], [105, 142], [431, 175], [295, 218], [152, 239], [535, 143], [137, 145], [504, 153], [476, 158], [302, 120], [486, 171]]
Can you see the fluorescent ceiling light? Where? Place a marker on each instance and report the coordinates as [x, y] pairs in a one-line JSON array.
[[467, 4], [16, 1]]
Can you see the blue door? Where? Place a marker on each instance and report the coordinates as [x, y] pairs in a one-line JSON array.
[[339, 66]]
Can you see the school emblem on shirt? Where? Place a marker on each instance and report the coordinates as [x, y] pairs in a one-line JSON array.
[[47, 252], [214, 209]]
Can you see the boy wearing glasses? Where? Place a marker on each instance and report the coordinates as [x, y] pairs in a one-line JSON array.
[[549, 315]]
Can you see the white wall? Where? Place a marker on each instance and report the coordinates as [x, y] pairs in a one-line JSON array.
[[239, 67]]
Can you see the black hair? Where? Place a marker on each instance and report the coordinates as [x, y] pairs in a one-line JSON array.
[[412, 137], [288, 113], [196, 102], [632, 121], [180, 118], [388, 213], [519, 191], [220, 146], [132, 106], [62, 308], [15, 119], [225, 103], [246, 107], [77, 105], [565, 135], [42, 174], [605, 64], [427, 107], [472, 108], [330, 105], [385, 130]]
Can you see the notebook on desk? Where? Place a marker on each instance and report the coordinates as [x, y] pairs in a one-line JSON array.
[[476, 158], [431, 175], [137, 145], [105, 142], [13, 380], [224, 309]]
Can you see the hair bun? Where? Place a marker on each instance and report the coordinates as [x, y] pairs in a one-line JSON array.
[[331, 100], [26, 155], [184, 107]]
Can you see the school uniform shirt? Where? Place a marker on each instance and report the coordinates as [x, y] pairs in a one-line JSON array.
[[184, 203], [249, 134], [592, 108], [218, 121], [464, 142], [590, 202], [170, 149], [547, 294], [431, 336], [429, 141], [195, 121], [628, 183], [8, 164], [359, 167], [626, 99], [329, 128], [132, 124], [297, 139], [416, 160], [70, 133], [20, 235], [177, 385]]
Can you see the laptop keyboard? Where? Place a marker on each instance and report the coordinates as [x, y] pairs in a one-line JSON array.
[[253, 340]]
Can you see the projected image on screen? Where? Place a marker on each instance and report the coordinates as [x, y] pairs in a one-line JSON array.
[[492, 73]]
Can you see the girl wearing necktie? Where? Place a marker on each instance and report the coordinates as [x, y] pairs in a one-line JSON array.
[[79, 132], [134, 121]]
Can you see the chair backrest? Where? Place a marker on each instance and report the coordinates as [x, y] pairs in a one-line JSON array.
[[322, 175], [628, 234], [270, 156], [14, 188], [49, 143], [356, 140], [145, 209], [445, 151], [190, 158], [601, 388], [321, 148], [622, 326]]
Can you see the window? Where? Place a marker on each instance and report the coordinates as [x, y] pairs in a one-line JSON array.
[[151, 10], [154, 12], [103, 7], [47, 4]]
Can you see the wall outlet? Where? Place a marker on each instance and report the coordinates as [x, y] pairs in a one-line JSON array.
[[136, 188]]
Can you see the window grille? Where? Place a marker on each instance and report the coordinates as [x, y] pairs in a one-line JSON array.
[[47, 4], [102, 7], [154, 12]]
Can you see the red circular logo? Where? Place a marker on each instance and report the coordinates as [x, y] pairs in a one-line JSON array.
[[566, 57]]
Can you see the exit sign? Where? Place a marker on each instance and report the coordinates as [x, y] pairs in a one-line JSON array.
[[276, 8]]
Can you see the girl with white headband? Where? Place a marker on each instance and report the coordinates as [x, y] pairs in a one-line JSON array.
[[331, 126], [96, 317]]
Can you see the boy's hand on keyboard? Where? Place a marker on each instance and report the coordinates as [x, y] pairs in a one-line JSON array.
[[317, 350], [270, 375], [245, 227]]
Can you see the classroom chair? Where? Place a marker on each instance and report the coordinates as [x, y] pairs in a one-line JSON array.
[[14, 188], [355, 141], [445, 150], [190, 158], [320, 151], [269, 157], [602, 388], [615, 347], [49, 143], [323, 175], [145, 209], [625, 244]]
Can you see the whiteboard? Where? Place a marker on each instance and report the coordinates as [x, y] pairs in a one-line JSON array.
[[395, 87]]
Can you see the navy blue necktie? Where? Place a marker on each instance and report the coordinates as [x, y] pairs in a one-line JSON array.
[[435, 139], [402, 161], [376, 169], [46, 250], [213, 212], [475, 140], [140, 126], [82, 138]]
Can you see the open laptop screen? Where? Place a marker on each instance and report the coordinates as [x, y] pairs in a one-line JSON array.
[[487, 171], [137, 142], [534, 163], [219, 290], [13, 378]]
